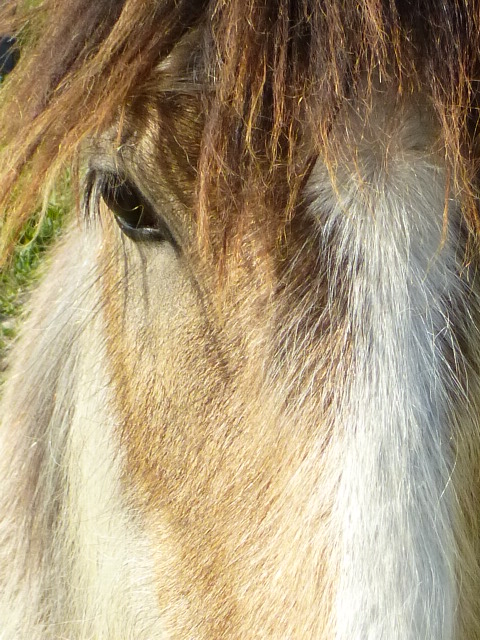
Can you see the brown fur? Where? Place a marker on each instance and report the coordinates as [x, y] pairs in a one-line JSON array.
[[218, 111]]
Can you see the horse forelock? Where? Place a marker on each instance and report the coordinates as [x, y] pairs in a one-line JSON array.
[[258, 85]]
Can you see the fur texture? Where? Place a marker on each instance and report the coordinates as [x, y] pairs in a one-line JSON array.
[[254, 411]]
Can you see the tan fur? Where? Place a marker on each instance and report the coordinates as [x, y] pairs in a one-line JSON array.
[[266, 423]]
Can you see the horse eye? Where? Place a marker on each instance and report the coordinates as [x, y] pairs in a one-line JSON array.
[[133, 214]]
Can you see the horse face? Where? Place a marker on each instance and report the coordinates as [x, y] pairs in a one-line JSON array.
[[245, 403]]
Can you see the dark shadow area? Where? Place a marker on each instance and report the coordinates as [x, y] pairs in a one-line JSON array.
[[9, 54]]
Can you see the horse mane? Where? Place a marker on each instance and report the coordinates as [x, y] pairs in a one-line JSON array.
[[262, 82]]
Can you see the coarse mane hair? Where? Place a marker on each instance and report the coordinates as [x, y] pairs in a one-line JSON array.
[[245, 402], [255, 88]]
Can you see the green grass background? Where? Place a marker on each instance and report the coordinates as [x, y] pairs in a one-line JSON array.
[[17, 279], [22, 271]]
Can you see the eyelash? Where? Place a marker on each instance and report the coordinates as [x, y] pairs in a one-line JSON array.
[[133, 214]]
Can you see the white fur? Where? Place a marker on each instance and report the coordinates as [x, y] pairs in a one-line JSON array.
[[83, 569], [380, 218]]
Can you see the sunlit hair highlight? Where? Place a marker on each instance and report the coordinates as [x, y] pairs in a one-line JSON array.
[[271, 77]]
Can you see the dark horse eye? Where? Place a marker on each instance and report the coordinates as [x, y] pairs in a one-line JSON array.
[[134, 215]]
